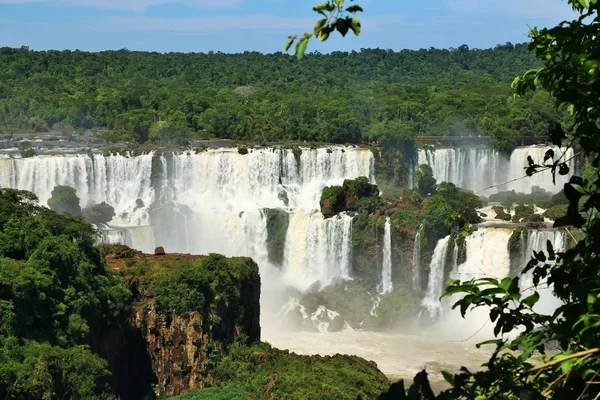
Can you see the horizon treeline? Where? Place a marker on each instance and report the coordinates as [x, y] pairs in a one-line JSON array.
[[340, 97]]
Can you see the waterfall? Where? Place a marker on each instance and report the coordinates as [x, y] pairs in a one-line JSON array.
[[317, 249], [213, 201], [476, 168], [386, 285], [416, 261], [435, 286], [487, 255]]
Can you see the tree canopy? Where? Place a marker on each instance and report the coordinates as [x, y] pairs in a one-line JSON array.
[[371, 95]]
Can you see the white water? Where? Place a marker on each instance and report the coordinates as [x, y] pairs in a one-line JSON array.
[[213, 202], [435, 286], [416, 262], [487, 255], [475, 169], [307, 259], [386, 285]]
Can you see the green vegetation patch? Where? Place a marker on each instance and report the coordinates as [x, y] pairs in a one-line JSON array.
[[233, 392], [354, 195], [266, 372], [278, 222]]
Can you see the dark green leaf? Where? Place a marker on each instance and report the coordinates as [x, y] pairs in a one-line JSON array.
[[531, 300], [354, 9]]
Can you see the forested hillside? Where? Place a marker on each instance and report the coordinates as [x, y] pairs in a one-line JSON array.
[[338, 97]]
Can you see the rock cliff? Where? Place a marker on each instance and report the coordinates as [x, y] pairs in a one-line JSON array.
[[187, 311]]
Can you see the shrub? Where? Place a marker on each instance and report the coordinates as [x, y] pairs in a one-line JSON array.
[[64, 199]]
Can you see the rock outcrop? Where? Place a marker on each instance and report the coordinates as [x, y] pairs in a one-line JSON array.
[[187, 311]]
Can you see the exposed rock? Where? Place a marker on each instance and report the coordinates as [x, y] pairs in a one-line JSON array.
[[336, 325], [159, 251], [175, 347]]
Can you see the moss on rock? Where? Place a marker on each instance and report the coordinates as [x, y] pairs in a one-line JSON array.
[[501, 214], [278, 222]]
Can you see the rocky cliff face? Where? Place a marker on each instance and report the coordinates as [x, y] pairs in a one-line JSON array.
[[187, 310]]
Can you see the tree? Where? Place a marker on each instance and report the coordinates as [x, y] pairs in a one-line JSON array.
[[101, 213], [64, 199], [424, 180]]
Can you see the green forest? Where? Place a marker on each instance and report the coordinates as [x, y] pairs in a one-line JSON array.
[[371, 95]]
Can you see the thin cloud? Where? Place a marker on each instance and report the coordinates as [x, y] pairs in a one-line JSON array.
[[131, 5]]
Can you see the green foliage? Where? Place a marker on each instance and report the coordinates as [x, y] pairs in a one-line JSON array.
[[523, 213], [41, 371], [213, 286], [464, 203], [438, 216], [424, 180], [242, 150], [101, 213], [57, 301], [360, 194], [175, 97], [277, 226], [538, 197], [26, 150], [335, 18], [501, 213], [64, 200], [354, 195], [232, 392], [333, 201], [259, 368], [169, 132], [556, 212]]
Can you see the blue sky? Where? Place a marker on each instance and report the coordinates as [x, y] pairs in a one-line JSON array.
[[263, 25]]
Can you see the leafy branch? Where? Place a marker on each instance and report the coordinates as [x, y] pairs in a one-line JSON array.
[[336, 17]]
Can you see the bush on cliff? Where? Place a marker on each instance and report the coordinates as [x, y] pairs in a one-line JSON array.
[[424, 180], [354, 195], [64, 199], [333, 201]]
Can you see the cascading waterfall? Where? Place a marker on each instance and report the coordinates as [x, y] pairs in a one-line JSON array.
[[213, 201], [488, 255], [386, 284], [117, 180], [416, 262], [435, 286], [317, 249], [476, 168]]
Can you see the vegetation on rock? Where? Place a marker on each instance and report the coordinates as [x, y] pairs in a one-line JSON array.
[[354, 195], [278, 222]]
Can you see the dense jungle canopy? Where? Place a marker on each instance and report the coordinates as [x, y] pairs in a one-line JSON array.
[[337, 98]]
